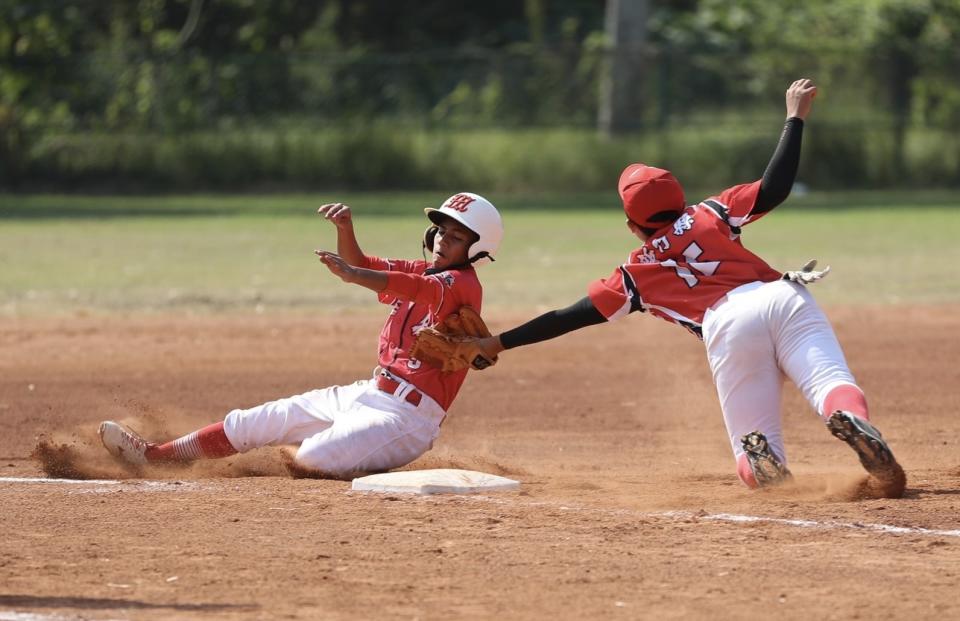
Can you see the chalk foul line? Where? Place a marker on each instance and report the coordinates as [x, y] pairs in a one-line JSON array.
[[828, 524], [731, 518]]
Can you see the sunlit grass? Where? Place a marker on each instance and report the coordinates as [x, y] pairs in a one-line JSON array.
[[213, 253]]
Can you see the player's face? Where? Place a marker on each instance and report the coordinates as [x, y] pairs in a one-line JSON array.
[[451, 244]]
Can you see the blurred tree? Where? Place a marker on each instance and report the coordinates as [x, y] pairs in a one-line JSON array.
[[167, 66], [172, 64], [895, 45], [621, 103], [937, 94], [888, 62], [38, 81]]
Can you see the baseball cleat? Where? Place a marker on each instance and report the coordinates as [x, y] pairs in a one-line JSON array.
[[875, 456], [123, 443], [767, 469]]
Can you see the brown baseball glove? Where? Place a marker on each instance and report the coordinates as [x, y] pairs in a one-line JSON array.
[[452, 345]]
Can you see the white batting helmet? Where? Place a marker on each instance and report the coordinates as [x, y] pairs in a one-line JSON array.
[[477, 214]]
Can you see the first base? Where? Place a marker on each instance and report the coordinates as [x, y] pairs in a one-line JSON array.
[[442, 481]]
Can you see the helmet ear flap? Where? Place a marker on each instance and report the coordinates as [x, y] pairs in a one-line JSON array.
[[428, 236]]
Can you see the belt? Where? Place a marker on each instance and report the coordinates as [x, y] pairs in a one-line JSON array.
[[384, 383]]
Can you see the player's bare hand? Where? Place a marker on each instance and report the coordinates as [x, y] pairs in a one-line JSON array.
[[491, 346], [338, 214], [800, 97], [336, 265]]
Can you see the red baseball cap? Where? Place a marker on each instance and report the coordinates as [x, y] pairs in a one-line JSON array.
[[647, 192]]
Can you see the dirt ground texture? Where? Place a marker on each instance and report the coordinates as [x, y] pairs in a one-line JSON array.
[[628, 505]]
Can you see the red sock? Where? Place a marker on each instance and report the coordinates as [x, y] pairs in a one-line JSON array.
[[846, 397], [745, 472], [210, 442]]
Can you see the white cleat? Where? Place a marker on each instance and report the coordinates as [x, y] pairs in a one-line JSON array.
[[123, 443]]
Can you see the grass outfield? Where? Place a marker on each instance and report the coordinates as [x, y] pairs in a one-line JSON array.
[[208, 253]]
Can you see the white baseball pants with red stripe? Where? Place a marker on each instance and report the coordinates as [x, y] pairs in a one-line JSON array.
[[341, 430], [759, 333]]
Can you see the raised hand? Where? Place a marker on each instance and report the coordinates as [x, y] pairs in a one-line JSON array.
[[800, 98], [338, 214]]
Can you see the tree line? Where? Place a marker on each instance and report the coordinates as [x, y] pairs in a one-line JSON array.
[[173, 67]]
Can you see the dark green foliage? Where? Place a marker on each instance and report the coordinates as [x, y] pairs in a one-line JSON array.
[[225, 94]]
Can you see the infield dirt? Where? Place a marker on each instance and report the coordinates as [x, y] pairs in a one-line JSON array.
[[614, 432]]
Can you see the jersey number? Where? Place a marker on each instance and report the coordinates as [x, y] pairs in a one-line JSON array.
[[692, 253]]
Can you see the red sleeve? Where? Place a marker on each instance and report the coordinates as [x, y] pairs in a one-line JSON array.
[[739, 201], [392, 265], [436, 290], [609, 296]]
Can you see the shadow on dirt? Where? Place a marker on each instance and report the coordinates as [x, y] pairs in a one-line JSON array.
[[102, 603]]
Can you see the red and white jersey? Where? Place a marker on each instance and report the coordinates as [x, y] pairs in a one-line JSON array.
[[418, 301], [687, 266]]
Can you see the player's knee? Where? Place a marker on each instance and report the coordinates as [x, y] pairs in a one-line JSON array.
[[242, 434], [326, 459], [745, 472]]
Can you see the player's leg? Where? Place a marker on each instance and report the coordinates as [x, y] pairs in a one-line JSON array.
[[126, 444], [810, 355], [290, 420], [379, 432], [748, 382], [284, 421]]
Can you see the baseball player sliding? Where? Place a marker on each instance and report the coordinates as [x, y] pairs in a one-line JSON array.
[[756, 322], [374, 424]]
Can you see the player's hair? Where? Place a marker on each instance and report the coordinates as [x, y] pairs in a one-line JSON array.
[[662, 217]]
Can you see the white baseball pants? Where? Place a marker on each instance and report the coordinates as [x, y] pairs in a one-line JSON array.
[[342, 430], [754, 336]]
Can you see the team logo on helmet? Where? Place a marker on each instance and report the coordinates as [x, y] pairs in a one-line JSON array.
[[459, 202]]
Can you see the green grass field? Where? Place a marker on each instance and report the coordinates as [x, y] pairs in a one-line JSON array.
[[61, 254]]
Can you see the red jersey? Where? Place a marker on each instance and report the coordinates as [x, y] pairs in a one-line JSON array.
[[687, 266], [418, 301]]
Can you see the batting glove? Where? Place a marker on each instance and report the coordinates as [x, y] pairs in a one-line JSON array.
[[806, 274]]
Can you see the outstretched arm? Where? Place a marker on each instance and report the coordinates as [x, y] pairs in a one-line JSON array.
[[347, 247], [782, 170], [429, 290], [547, 326], [371, 279]]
